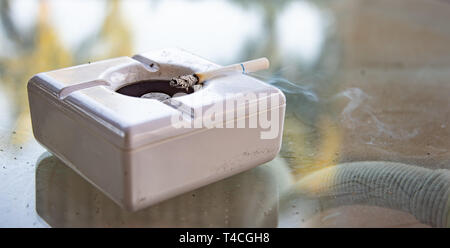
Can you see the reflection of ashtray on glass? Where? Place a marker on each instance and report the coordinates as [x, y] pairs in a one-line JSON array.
[[249, 199]]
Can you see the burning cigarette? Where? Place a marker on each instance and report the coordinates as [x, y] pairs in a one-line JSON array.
[[187, 81]]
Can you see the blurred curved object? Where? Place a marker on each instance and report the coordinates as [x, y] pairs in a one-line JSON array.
[[422, 192]]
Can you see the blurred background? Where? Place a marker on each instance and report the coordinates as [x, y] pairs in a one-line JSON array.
[[365, 81]]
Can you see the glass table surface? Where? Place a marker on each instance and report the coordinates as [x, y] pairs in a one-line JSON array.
[[366, 138]]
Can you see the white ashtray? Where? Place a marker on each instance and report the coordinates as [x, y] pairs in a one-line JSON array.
[[141, 151]]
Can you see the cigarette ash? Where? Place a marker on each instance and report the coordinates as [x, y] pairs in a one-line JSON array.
[[184, 82], [154, 89]]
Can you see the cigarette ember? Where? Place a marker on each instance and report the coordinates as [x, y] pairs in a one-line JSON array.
[[184, 82]]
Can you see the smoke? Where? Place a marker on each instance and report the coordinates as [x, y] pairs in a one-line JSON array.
[[358, 113]]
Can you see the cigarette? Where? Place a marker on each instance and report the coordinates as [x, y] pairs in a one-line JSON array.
[[187, 81]]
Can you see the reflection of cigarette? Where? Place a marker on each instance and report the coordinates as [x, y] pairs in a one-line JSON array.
[[187, 81]]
